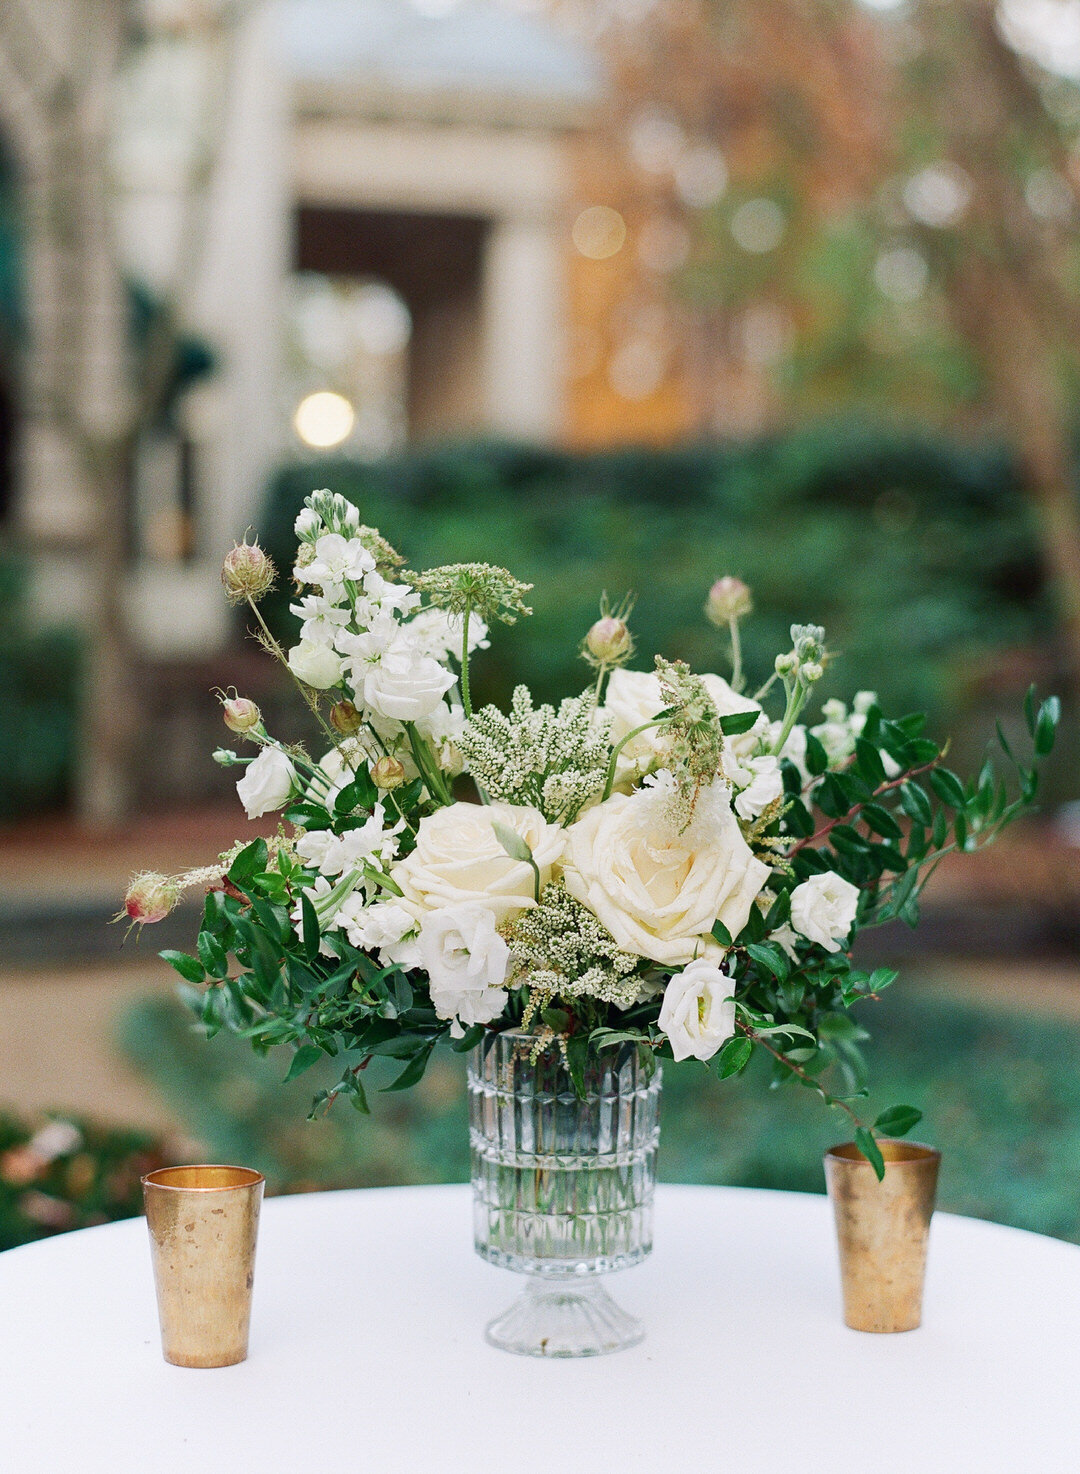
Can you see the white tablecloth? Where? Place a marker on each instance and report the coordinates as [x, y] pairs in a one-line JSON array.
[[367, 1354]]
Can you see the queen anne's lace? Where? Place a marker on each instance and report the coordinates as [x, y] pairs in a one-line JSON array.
[[555, 761], [560, 950]]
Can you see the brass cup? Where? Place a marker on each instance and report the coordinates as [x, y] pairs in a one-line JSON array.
[[203, 1224], [882, 1230]]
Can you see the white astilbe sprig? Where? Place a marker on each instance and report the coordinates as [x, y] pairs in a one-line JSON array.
[[560, 950], [554, 760]]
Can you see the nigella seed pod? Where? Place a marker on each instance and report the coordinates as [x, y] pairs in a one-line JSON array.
[[247, 574], [240, 714], [388, 773], [729, 598], [345, 718], [150, 897], [608, 641]]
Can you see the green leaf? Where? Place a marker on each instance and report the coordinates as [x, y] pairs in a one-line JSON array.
[[1029, 709], [738, 721], [915, 804], [779, 911], [557, 1019], [897, 1120], [734, 1056], [311, 928], [871, 1151], [721, 934], [250, 859], [948, 788], [412, 1073], [306, 1056], [212, 955], [469, 1040], [1046, 726], [881, 821], [869, 762], [817, 759], [189, 968], [771, 956]]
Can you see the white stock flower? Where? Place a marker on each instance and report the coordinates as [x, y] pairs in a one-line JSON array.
[[823, 909], [268, 782], [366, 648], [406, 685], [336, 560], [315, 665], [458, 858], [322, 620], [466, 962], [696, 1013], [757, 780], [382, 594], [656, 890], [442, 729]]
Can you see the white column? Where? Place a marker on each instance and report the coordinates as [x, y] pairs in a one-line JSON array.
[[524, 328]]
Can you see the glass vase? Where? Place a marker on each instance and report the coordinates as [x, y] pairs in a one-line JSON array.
[[563, 1188]]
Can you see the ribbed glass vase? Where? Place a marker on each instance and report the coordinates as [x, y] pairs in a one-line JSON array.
[[562, 1188]]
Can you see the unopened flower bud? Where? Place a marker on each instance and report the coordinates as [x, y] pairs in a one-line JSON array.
[[811, 671], [345, 718], [247, 574], [240, 714], [729, 598], [150, 897], [225, 757], [387, 773], [609, 640], [785, 664], [809, 641]]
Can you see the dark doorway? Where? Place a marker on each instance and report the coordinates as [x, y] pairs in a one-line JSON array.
[[435, 263]]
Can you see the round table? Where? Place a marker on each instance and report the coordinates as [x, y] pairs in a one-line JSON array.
[[367, 1353]]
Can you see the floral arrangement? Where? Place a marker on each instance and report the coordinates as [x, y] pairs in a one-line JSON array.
[[661, 862]]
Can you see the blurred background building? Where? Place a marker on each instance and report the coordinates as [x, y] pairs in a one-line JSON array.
[[618, 293]]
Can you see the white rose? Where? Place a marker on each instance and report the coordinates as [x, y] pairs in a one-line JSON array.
[[314, 664], [268, 782], [697, 1013], [758, 780], [658, 891], [406, 685], [466, 962], [823, 909], [458, 859]]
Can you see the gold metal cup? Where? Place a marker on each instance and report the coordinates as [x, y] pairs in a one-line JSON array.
[[203, 1224], [882, 1230]]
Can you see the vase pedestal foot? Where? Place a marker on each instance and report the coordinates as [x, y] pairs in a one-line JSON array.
[[571, 1317]]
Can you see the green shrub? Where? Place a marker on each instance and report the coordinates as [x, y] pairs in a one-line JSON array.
[[918, 555], [38, 727]]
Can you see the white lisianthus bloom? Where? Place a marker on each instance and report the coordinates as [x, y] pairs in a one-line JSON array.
[[315, 665], [376, 926], [757, 780], [442, 729], [659, 891], [307, 523], [823, 909], [458, 859], [466, 962], [698, 1014], [336, 560], [268, 782], [406, 685]]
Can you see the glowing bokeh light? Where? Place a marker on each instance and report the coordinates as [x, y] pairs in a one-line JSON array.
[[599, 232], [324, 419]]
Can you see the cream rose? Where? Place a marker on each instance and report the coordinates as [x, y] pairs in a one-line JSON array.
[[458, 858], [316, 665], [268, 782], [657, 891], [697, 1013], [823, 909]]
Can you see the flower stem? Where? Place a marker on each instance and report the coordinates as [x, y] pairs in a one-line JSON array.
[[737, 679], [610, 782], [275, 649], [796, 701], [466, 699]]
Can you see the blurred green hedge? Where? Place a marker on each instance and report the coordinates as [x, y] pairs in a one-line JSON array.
[[917, 554], [39, 682]]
